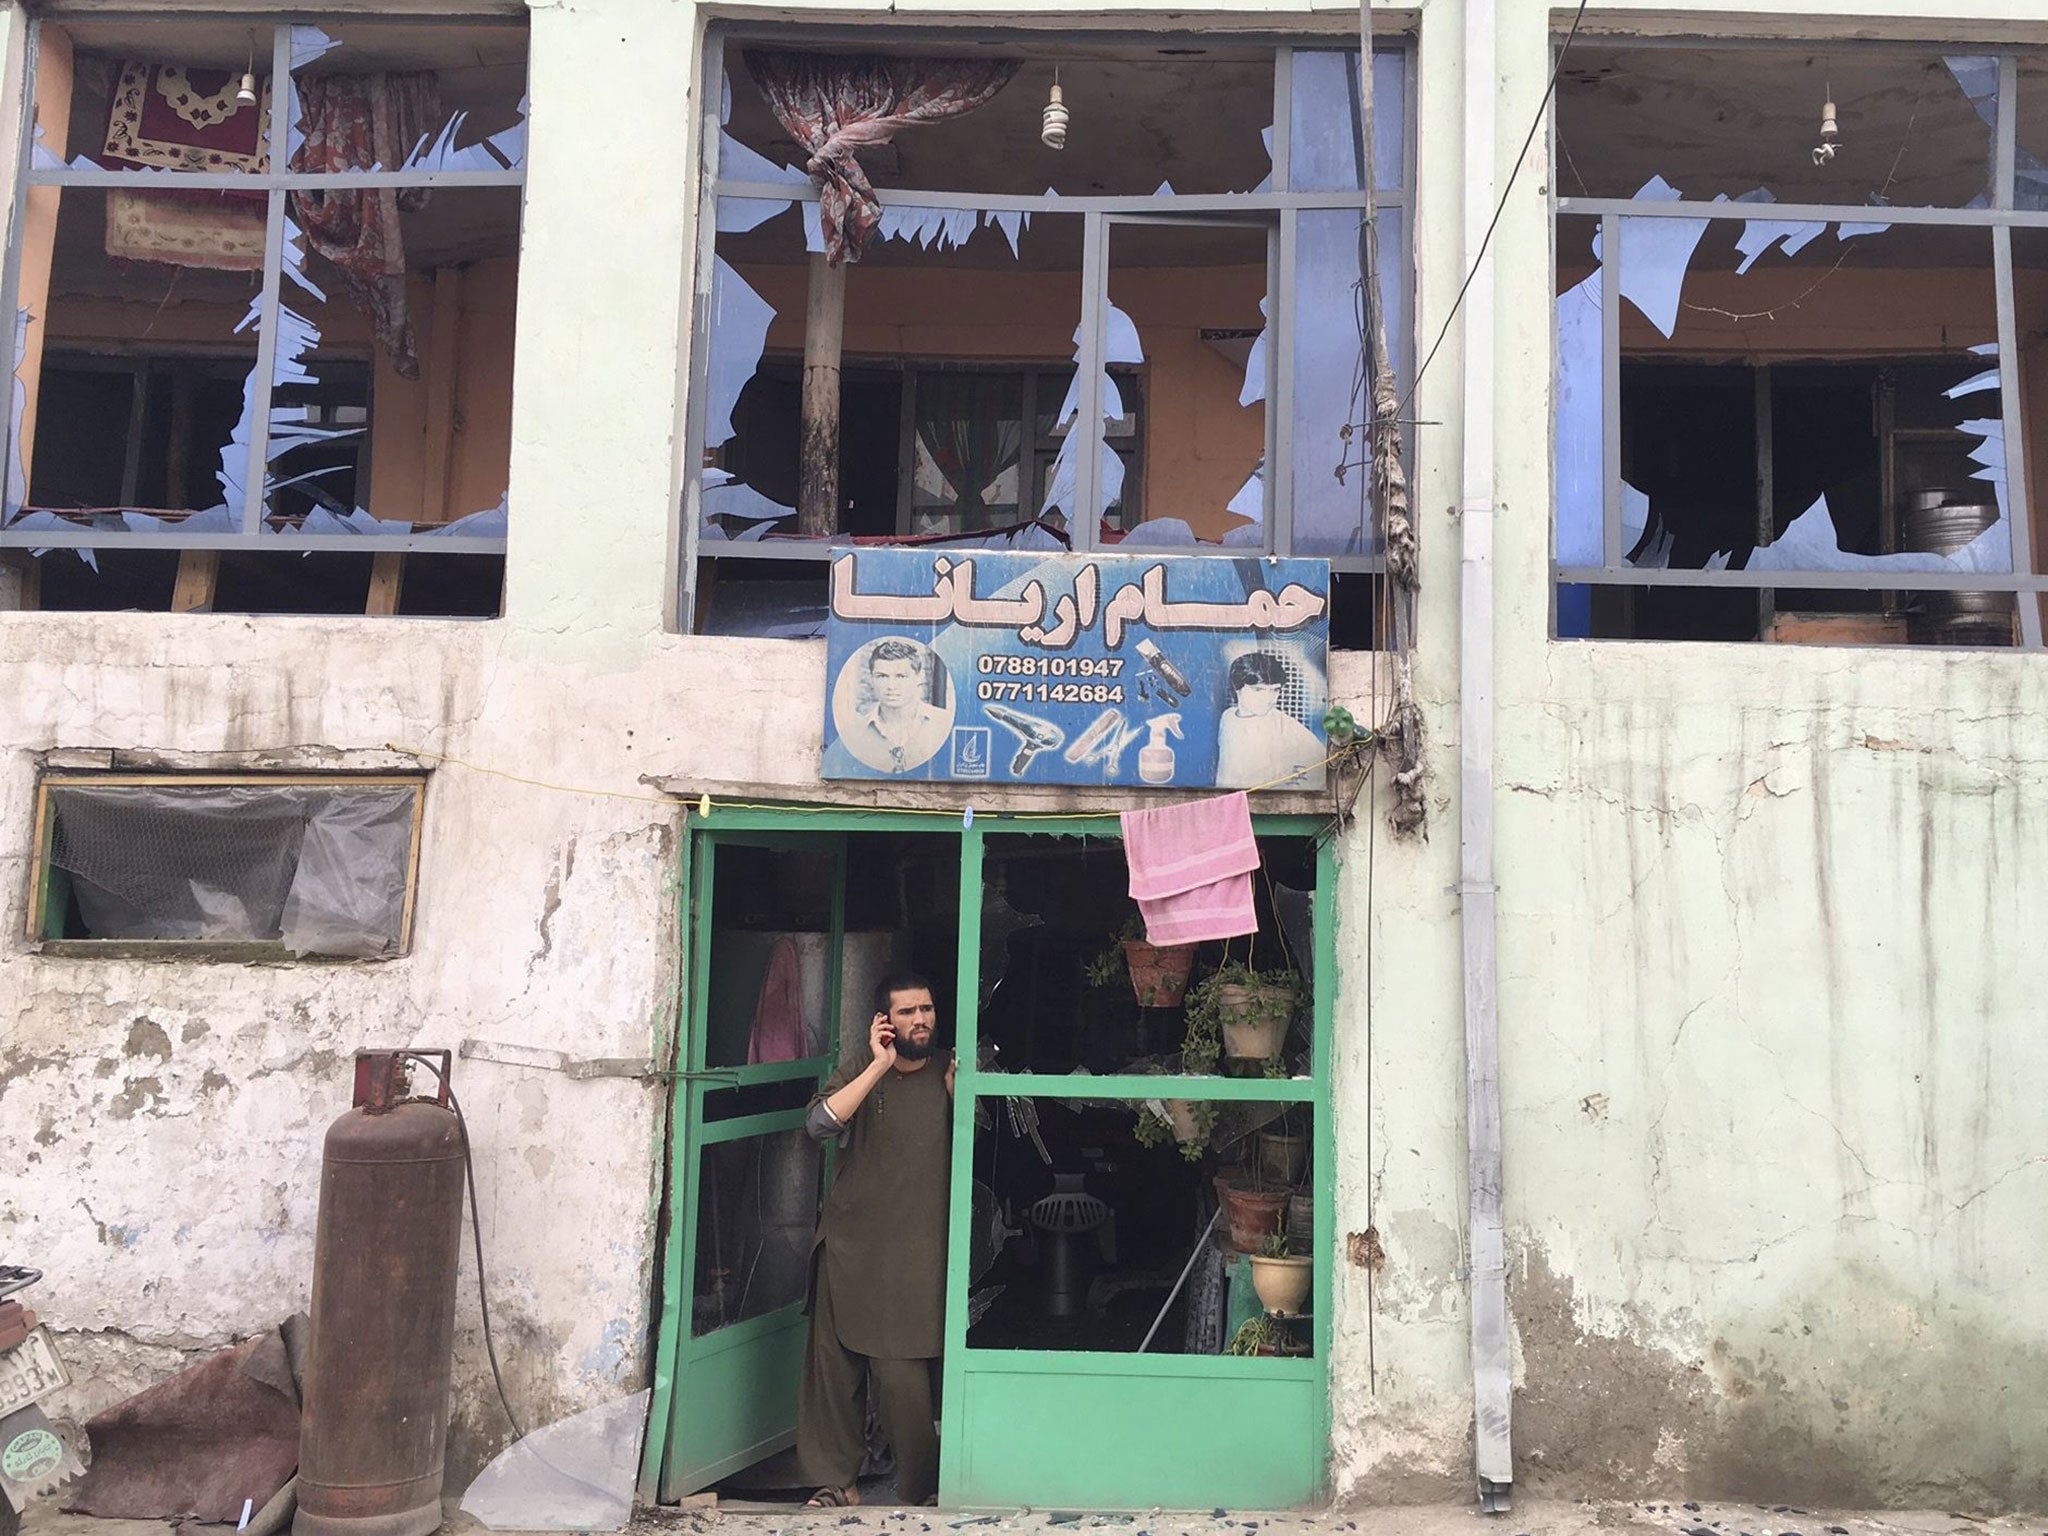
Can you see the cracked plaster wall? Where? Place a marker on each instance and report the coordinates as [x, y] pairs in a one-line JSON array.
[[1769, 1017]]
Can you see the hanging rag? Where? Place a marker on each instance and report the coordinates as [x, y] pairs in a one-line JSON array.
[[1191, 869], [363, 123], [836, 104], [778, 1033]]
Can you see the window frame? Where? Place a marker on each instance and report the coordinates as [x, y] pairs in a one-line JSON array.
[[41, 871], [275, 183], [1278, 210], [2001, 217]]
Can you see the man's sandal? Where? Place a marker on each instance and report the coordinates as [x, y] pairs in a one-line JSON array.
[[830, 1498]]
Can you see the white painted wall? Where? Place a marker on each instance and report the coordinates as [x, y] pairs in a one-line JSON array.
[[1767, 925]]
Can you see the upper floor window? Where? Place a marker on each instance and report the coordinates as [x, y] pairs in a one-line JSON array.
[[1149, 337], [1798, 291], [263, 278]]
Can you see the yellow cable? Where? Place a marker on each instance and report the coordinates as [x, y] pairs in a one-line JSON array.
[[821, 810]]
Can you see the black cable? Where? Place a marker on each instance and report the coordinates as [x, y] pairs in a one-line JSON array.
[[1542, 110], [476, 1233]]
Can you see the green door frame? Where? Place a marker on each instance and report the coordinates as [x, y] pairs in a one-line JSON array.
[[1051, 1428], [753, 1362]]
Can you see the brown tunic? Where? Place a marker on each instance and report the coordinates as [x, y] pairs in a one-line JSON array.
[[883, 1230]]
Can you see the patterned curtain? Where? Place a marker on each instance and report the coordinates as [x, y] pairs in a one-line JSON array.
[[834, 105], [360, 123]]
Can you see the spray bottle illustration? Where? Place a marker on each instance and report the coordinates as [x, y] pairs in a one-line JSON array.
[[1155, 758]]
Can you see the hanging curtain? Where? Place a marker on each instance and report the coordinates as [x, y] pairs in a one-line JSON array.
[[969, 444], [360, 123], [835, 104]]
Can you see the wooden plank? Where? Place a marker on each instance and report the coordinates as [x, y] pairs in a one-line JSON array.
[[198, 574], [1838, 629], [387, 583]]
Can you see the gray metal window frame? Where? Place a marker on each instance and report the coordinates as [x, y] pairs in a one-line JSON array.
[[1278, 211], [275, 183], [2001, 218]]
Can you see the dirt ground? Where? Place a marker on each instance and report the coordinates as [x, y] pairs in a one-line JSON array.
[[1533, 1517]]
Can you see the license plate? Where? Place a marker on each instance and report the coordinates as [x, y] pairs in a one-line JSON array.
[[30, 1370]]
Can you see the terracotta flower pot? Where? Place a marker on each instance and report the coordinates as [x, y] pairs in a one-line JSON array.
[[1180, 1114], [1254, 1216], [1159, 974], [1255, 1019], [1283, 1159], [1282, 1284]]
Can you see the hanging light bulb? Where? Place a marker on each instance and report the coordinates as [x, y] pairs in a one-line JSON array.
[[1053, 133], [1830, 130], [245, 94]]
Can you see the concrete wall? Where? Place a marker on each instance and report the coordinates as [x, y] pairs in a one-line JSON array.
[[1767, 925]]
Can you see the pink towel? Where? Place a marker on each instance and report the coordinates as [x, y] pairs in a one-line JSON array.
[[1191, 869], [778, 1033]]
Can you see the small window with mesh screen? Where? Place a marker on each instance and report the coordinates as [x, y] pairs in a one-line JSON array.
[[268, 867]]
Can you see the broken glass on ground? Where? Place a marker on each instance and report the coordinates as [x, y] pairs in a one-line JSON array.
[[576, 1474]]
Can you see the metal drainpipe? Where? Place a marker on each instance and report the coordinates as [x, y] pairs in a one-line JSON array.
[[1491, 1385]]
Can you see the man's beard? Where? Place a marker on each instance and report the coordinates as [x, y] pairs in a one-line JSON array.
[[914, 1050]]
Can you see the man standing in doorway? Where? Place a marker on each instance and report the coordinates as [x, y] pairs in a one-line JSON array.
[[878, 1263]]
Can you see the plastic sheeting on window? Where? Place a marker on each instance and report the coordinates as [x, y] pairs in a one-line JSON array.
[[321, 869]]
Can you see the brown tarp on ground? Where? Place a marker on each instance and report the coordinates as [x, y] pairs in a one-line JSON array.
[[196, 1446]]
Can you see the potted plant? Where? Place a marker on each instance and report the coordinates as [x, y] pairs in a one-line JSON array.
[[1256, 1336], [1176, 1120], [1248, 1012], [1254, 1213], [1158, 972], [1282, 1153], [1262, 1335], [1281, 1278]]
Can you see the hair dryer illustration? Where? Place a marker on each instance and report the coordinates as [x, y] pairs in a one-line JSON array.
[[1033, 735]]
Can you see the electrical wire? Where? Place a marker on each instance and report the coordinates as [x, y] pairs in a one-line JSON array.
[[476, 1233], [1542, 111]]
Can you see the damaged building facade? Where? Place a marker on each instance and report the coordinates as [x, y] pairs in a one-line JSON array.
[[431, 438]]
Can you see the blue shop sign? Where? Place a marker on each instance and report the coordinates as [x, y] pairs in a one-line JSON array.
[[1162, 672]]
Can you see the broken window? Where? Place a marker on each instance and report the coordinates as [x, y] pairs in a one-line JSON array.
[[1790, 303], [1146, 338], [288, 247], [242, 865]]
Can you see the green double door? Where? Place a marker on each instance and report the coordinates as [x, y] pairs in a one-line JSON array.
[[784, 948]]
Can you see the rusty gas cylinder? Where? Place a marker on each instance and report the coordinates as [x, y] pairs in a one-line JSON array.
[[373, 1438]]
